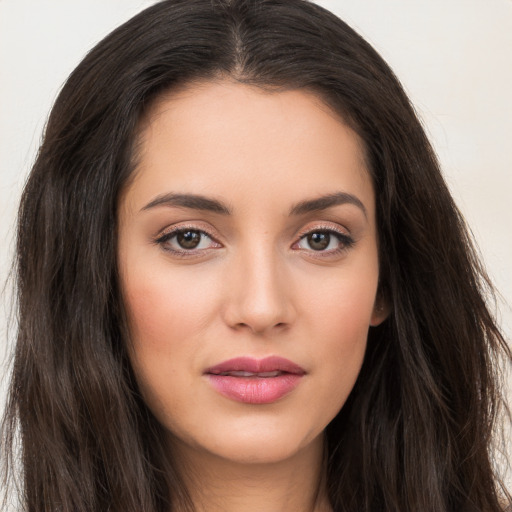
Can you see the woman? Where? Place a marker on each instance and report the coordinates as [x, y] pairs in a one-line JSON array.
[[243, 283]]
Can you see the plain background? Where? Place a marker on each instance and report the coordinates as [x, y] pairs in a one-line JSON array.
[[454, 58]]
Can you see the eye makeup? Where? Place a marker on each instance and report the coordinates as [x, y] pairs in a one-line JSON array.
[[324, 241], [186, 241], [191, 240]]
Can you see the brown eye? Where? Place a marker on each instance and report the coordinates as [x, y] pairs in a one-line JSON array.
[[319, 241], [188, 239], [328, 242]]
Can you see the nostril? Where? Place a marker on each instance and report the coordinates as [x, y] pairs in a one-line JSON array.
[[256, 329], [243, 326]]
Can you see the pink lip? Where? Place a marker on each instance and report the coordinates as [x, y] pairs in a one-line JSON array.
[[257, 389]]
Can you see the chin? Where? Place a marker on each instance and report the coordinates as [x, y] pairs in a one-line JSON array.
[[261, 444]]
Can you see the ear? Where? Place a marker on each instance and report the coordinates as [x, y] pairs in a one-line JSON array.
[[381, 310]]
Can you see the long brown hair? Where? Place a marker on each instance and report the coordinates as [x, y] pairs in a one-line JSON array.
[[416, 432]]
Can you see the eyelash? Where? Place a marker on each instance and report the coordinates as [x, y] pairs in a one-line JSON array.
[[167, 236], [345, 241]]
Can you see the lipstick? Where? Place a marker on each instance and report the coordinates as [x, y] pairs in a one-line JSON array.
[[255, 381]]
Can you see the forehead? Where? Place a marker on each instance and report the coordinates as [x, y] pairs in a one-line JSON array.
[[224, 137]]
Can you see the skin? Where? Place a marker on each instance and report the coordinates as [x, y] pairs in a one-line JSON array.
[[255, 285]]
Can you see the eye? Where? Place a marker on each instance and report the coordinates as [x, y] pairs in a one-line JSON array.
[[325, 241], [184, 240]]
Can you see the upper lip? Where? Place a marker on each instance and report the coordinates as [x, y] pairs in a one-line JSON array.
[[252, 365]]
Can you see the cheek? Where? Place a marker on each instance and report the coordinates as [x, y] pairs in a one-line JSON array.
[[339, 315], [340, 304], [166, 318], [168, 314], [165, 307], [342, 346]]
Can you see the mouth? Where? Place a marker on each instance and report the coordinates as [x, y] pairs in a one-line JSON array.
[[240, 373], [255, 381]]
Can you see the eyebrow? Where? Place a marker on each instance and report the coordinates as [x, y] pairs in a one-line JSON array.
[[194, 201], [325, 202], [200, 202]]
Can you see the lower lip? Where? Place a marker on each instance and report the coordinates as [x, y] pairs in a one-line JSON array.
[[255, 390]]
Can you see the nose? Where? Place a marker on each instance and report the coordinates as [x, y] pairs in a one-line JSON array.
[[259, 296]]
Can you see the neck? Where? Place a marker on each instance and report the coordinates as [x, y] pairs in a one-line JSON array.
[[219, 485]]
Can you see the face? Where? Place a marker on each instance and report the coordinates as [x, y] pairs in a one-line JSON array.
[[249, 268]]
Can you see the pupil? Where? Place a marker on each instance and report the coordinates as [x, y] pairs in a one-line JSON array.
[[319, 241], [188, 239]]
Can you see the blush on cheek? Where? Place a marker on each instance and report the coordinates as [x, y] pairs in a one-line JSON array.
[[160, 311], [346, 321]]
